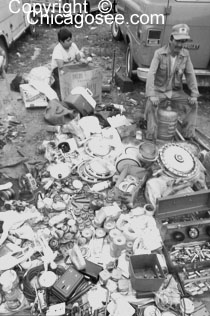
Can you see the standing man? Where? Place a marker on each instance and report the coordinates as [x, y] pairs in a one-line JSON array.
[[164, 83]]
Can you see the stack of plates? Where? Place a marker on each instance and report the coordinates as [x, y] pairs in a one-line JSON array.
[[96, 169]]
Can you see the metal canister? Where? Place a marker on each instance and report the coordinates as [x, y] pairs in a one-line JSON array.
[[167, 123]]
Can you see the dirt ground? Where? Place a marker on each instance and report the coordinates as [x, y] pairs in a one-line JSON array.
[[99, 42]]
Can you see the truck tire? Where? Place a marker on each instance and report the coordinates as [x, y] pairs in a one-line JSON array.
[[4, 53], [130, 64], [116, 32]]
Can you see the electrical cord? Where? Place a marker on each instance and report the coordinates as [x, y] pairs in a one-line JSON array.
[[30, 292], [28, 289], [79, 289], [77, 296]]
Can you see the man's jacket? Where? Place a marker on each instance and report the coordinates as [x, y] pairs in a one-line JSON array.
[[160, 77]]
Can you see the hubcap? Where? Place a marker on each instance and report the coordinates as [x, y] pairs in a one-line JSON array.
[[177, 161]]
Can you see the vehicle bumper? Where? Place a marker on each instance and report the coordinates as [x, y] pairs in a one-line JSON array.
[[202, 76]]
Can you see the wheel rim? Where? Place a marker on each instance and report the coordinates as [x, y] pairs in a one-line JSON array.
[[5, 58], [128, 62], [4, 63], [115, 29]]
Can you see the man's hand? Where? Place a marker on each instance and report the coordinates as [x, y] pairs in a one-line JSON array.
[[192, 100], [78, 57], [155, 100]]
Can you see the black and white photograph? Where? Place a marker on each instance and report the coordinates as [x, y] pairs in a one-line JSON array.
[[105, 157]]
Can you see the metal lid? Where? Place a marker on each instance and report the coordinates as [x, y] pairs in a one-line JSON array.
[[125, 160]]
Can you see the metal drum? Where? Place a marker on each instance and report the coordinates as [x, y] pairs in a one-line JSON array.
[[167, 123]]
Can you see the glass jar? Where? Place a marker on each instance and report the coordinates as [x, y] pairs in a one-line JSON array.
[[14, 299]]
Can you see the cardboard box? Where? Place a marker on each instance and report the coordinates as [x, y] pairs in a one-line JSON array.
[[127, 131], [72, 76], [146, 273], [32, 98], [134, 171]]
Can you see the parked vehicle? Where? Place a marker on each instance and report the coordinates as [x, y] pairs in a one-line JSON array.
[[12, 26], [143, 39]]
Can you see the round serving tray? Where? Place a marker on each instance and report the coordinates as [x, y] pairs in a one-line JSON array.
[[99, 169], [97, 147]]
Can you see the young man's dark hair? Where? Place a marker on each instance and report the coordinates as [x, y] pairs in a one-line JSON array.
[[64, 34]]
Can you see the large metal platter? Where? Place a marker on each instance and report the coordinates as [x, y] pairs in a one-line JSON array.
[[100, 169], [177, 161], [84, 175]]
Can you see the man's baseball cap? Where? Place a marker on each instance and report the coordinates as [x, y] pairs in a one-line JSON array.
[[181, 32]]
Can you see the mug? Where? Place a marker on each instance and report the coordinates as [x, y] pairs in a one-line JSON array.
[[149, 209]]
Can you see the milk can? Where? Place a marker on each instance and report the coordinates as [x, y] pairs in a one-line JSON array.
[[167, 123], [12, 293]]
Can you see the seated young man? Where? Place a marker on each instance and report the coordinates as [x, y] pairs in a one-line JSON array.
[[65, 51]]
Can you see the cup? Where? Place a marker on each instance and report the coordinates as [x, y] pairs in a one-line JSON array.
[[149, 209]]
